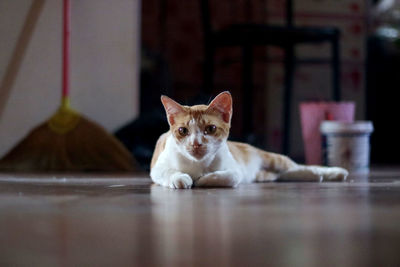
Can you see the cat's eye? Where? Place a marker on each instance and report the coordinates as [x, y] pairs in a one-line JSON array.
[[183, 131], [210, 129]]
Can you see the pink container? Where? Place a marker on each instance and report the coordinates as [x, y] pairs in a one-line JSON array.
[[312, 114]]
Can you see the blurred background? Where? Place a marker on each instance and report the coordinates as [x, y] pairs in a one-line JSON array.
[[270, 54]]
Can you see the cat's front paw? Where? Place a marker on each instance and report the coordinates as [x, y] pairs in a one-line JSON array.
[[180, 181]]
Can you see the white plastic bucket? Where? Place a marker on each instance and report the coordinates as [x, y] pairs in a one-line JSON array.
[[311, 115], [346, 144]]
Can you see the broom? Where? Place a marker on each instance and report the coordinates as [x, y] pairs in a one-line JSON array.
[[68, 141]]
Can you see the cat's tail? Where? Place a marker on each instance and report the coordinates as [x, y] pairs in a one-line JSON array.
[[287, 169], [314, 174]]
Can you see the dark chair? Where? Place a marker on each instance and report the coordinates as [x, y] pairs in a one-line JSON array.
[[249, 35]]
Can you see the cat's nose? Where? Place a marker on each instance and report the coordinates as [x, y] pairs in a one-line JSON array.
[[196, 145]]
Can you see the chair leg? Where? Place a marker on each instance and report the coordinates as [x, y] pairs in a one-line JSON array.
[[336, 75], [208, 69], [287, 97], [247, 90]]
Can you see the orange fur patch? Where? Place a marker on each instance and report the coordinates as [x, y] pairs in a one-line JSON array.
[[241, 152], [160, 146]]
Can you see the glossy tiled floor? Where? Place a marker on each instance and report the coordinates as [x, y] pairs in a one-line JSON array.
[[124, 221]]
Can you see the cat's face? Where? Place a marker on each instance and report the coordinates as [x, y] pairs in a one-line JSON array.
[[199, 130]]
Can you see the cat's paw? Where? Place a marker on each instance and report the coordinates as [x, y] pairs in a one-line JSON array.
[[180, 181], [335, 174], [218, 179], [264, 176]]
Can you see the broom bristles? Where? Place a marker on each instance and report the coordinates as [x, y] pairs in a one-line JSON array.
[[87, 147]]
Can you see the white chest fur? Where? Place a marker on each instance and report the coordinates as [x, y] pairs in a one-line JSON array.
[[172, 158]]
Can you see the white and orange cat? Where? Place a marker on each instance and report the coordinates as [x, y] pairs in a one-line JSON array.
[[195, 152]]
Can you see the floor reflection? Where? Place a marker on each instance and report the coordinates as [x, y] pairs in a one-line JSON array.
[[134, 223], [191, 226]]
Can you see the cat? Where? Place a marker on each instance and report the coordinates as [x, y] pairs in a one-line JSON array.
[[195, 152]]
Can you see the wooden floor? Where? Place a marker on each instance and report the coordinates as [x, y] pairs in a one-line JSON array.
[[124, 221]]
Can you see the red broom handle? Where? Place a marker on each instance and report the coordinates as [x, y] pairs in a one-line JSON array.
[[66, 49]]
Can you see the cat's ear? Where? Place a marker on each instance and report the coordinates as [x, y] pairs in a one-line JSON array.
[[172, 108], [222, 103]]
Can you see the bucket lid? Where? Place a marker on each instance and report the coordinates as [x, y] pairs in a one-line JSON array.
[[364, 127]]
